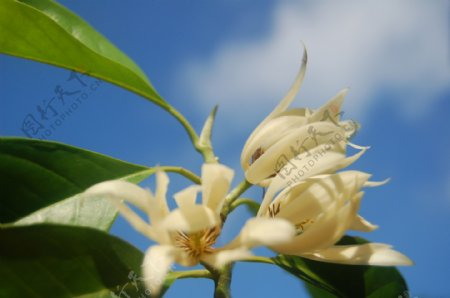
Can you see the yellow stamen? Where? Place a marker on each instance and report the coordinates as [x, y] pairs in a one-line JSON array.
[[198, 243]]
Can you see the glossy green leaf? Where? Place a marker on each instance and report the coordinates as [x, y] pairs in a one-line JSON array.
[[77, 210], [64, 261], [345, 280], [39, 181], [44, 31]]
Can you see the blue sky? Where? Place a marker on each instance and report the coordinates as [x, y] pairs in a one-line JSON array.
[[243, 55]]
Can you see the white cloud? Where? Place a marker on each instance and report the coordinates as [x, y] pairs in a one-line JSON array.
[[370, 46]]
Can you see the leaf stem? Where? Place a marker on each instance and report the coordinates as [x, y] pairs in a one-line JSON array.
[[232, 196], [205, 151], [243, 201], [202, 273], [183, 172], [137, 177], [258, 259]]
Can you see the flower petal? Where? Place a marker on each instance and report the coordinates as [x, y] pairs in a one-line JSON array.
[[187, 196], [290, 96], [262, 231], [156, 265], [216, 180], [376, 183], [280, 108], [122, 190], [309, 144], [191, 218], [223, 257], [331, 110], [274, 130], [162, 181], [362, 225], [136, 221], [326, 230], [365, 254], [327, 162]]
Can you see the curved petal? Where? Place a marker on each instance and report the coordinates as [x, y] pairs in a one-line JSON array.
[[309, 197], [223, 257], [272, 132], [136, 221], [162, 181], [304, 146], [346, 162], [331, 110], [156, 265], [261, 231], [362, 225], [365, 254], [187, 196], [348, 183], [118, 190], [327, 229], [282, 106], [305, 201], [216, 180], [318, 162], [290, 96], [192, 218], [275, 186], [376, 183]]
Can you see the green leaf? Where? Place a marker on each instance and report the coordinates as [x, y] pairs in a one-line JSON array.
[[64, 261], [335, 280], [45, 31], [39, 181]]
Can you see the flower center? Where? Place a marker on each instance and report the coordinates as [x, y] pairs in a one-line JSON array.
[[198, 243]]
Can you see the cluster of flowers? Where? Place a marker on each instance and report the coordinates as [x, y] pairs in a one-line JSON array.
[[308, 205]]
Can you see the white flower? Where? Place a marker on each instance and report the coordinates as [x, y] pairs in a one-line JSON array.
[[323, 208], [288, 136], [187, 234]]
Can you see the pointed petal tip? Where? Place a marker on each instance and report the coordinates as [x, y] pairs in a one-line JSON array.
[[374, 254], [305, 53], [359, 147], [376, 183], [396, 258], [385, 255], [343, 93]]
